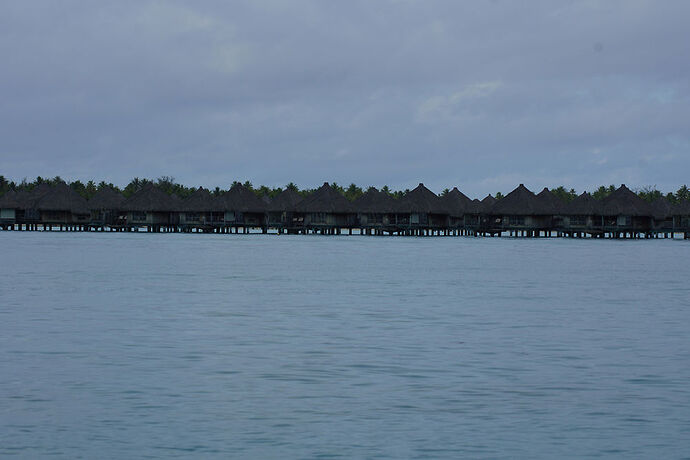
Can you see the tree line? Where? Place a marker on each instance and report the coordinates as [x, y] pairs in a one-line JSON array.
[[351, 192]]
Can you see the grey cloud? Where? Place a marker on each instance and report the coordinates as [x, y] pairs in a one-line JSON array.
[[482, 95]]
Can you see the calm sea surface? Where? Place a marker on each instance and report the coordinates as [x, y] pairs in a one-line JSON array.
[[253, 346]]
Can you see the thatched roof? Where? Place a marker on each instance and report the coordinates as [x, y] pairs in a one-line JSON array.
[[62, 197], [551, 201], [522, 202], [9, 200], [24, 199], [421, 199], [484, 206], [325, 199], [624, 202], [584, 205], [151, 199], [106, 198], [457, 203], [27, 199], [475, 207], [681, 209], [240, 199], [375, 201], [661, 209], [200, 200], [284, 201]]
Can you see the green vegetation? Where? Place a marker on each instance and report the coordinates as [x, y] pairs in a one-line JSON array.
[[351, 192]]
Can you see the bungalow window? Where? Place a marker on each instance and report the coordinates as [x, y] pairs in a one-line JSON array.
[[375, 218], [516, 220], [7, 213], [623, 221], [192, 217], [318, 217], [138, 216], [578, 220]]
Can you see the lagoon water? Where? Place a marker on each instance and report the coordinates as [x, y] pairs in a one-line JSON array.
[[265, 346]]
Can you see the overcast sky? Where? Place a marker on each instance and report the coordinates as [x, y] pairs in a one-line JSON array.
[[482, 95]]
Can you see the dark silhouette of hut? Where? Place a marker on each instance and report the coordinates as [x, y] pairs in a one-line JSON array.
[[583, 214], [61, 204], [375, 210], [27, 212], [421, 208], [479, 216], [662, 215], [105, 207], [327, 209], [9, 204], [522, 210], [457, 205], [624, 211], [681, 216], [555, 204], [151, 206], [281, 209], [201, 210], [242, 208]]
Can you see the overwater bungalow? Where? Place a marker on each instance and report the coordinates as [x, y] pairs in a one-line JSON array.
[[478, 216], [554, 203], [457, 205], [242, 208], [662, 216], [201, 211], [151, 207], [9, 204], [583, 215], [27, 213], [375, 211], [326, 211], [421, 212], [105, 207], [626, 214], [281, 210], [522, 211], [61, 205], [681, 216]]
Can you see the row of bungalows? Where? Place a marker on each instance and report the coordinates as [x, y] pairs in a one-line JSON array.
[[326, 210], [45, 206], [237, 208], [621, 214]]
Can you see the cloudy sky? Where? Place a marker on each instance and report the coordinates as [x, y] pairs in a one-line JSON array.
[[482, 95]]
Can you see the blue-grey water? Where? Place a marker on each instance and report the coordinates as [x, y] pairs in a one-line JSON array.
[[265, 346]]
